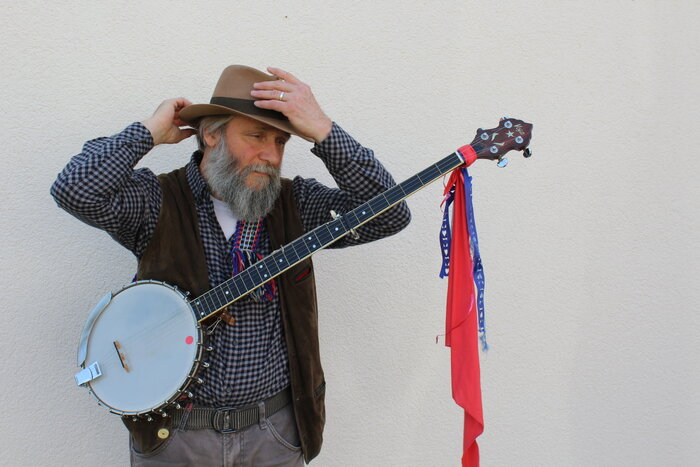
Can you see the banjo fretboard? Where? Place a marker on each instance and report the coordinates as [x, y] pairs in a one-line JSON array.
[[317, 239]]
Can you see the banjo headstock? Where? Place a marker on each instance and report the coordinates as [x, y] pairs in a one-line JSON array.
[[510, 135]]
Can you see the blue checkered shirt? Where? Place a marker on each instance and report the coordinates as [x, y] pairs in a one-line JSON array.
[[249, 363]]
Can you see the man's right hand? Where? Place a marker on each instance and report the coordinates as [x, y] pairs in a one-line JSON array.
[[165, 123]]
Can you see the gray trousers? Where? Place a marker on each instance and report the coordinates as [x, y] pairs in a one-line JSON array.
[[274, 441]]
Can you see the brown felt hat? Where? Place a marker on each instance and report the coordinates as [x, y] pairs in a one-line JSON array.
[[232, 97]]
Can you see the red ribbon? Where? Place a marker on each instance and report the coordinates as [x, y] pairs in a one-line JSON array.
[[461, 330]]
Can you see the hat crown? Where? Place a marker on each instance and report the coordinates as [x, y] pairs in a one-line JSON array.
[[232, 97], [236, 81]]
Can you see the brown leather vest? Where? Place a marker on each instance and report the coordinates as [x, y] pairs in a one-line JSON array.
[[175, 255]]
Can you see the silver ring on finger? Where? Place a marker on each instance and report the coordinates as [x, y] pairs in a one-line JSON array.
[[281, 97]]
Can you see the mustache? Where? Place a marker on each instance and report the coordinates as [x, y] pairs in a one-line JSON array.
[[262, 168]]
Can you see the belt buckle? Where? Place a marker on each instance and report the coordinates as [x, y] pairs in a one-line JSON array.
[[221, 420]]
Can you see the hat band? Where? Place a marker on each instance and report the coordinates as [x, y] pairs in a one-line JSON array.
[[246, 106]]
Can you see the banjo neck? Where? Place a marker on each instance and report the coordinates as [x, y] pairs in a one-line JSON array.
[[217, 299], [491, 144]]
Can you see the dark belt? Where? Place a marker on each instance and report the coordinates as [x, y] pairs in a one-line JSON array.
[[230, 419]]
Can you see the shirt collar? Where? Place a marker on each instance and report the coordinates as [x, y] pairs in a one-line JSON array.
[[200, 188]]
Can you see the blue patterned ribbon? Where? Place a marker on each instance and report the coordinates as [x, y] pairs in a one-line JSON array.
[[446, 240]]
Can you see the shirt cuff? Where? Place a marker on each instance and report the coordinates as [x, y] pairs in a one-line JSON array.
[[136, 137], [138, 133], [338, 142]]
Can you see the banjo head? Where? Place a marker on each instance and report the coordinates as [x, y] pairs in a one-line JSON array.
[[147, 342]]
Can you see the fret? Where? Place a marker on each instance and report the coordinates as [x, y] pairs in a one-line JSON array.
[[296, 248], [290, 249], [362, 213], [352, 219], [233, 286], [280, 258], [212, 300], [255, 274], [322, 235], [248, 279], [411, 185], [393, 195], [262, 269], [225, 287], [449, 163], [221, 296], [239, 280], [241, 288], [429, 174], [302, 249], [378, 203], [326, 234], [422, 177], [336, 227], [272, 267], [330, 231], [198, 309], [246, 284], [205, 305], [312, 241], [208, 302]]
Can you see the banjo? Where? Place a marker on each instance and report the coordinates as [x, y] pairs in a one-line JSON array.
[[143, 347]]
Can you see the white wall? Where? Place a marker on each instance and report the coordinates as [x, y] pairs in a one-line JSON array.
[[590, 247]]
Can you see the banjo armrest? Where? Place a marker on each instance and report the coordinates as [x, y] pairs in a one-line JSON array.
[[92, 317], [88, 374]]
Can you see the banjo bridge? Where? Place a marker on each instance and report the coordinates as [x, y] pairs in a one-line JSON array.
[[122, 358]]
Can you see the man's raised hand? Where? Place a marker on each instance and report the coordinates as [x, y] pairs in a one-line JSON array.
[[165, 122], [296, 101]]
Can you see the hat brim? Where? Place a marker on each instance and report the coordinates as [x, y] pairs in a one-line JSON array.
[[192, 113]]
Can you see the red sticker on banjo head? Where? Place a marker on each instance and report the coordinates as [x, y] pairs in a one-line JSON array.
[[189, 340]]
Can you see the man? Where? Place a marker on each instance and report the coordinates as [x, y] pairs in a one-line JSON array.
[[198, 225]]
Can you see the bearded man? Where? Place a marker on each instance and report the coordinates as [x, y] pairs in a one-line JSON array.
[[262, 399]]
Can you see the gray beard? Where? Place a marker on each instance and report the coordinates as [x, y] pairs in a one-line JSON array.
[[228, 183]]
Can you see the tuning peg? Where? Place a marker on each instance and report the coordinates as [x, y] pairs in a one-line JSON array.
[[502, 162], [527, 152]]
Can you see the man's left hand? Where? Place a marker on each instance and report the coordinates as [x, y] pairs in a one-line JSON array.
[[296, 101]]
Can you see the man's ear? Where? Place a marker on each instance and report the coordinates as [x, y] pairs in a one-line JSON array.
[[211, 139]]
